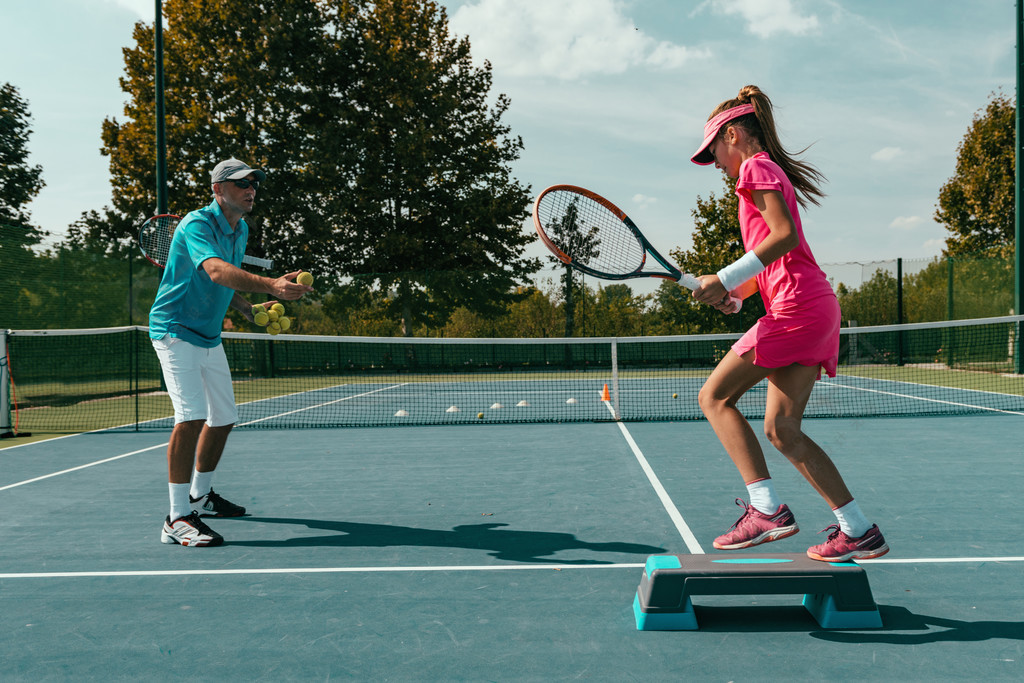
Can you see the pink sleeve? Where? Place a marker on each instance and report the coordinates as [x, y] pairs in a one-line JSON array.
[[759, 174]]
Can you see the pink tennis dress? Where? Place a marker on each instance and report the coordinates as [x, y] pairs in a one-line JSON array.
[[802, 320]]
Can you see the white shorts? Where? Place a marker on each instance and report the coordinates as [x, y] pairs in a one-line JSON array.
[[198, 381]]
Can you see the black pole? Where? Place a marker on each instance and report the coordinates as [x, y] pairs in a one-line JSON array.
[[899, 310], [161, 140], [1018, 294]]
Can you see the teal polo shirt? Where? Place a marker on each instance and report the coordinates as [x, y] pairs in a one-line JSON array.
[[189, 305]]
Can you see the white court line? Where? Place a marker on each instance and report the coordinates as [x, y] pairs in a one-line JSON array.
[[162, 445], [449, 568], [81, 467], [314, 570], [673, 512], [938, 560], [318, 405], [924, 399]]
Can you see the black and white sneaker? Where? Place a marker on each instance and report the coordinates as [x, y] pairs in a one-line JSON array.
[[212, 505], [189, 531]]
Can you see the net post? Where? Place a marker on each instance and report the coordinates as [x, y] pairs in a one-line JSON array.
[[161, 138], [6, 429], [615, 379], [1018, 282], [899, 310]]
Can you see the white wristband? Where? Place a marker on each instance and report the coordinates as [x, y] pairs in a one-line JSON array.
[[740, 270]]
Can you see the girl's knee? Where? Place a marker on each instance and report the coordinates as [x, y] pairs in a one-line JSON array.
[[784, 434]]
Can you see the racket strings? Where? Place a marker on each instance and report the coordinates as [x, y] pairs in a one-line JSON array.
[[155, 237], [590, 234]]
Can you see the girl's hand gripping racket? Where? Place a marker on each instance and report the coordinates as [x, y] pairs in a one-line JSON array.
[[155, 241], [589, 233]]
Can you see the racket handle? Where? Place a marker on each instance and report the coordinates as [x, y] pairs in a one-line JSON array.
[[691, 283]]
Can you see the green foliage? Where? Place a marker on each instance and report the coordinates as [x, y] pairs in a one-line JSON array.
[[19, 181], [387, 161], [439, 216], [977, 204]]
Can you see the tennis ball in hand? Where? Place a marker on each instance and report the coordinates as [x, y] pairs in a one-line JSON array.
[[284, 323], [273, 328], [261, 318], [304, 279], [279, 308], [258, 308], [273, 315]]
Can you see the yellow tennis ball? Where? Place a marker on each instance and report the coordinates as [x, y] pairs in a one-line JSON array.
[[258, 308], [278, 307], [479, 416], [284, 322], [273, 328], [675, 395], [273, 315], [261, 318], [304, 279]]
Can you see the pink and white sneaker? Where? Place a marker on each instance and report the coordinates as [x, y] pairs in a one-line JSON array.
[[754, 527], [839, 547]]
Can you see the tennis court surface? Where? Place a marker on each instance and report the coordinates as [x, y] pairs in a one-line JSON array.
[[502, 548]]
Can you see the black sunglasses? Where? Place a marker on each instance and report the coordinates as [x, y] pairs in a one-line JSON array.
[[245, 183]]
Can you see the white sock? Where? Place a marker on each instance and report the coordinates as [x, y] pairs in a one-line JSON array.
[[180, 505], [202, 483], [763, 496], [852, 521]]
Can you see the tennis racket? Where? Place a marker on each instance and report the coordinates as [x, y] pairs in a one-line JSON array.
[[155, 241], [589, 233]]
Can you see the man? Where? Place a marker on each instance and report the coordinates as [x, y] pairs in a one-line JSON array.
[[201, 280]]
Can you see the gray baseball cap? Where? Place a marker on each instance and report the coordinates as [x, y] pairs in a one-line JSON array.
[[233, 169]]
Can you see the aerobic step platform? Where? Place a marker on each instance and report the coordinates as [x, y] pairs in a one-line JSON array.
[[837, 594]]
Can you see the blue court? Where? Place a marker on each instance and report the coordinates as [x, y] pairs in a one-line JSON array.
[[511, 552]]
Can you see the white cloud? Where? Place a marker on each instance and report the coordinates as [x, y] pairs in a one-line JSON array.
[[766, 18], [643, 200], [906, 222], [887, 154], [564, 39]]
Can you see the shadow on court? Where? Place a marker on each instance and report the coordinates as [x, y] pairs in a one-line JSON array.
[[504, 544], [937, 629]]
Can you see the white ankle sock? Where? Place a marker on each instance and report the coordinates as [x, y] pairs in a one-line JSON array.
[[180, 505], [852, 521], [763, 496], [202, 483]]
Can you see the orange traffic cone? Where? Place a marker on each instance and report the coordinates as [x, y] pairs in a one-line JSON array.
[[604, 394]]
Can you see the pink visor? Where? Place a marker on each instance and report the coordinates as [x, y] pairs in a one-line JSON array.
[[703, 154]]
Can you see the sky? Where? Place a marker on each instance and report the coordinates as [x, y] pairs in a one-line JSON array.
[[612, 95]]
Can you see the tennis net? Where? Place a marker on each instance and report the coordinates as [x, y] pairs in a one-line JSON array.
[[83, 380]]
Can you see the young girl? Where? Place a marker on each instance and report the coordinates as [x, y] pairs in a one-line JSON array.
[[789, 346]]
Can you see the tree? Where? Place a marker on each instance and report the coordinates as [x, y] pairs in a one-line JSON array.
[[572, 237], [386, 167], [433, 211], [19, 181], [240, 80], [977, 204], [873, 303], [618, 312]]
